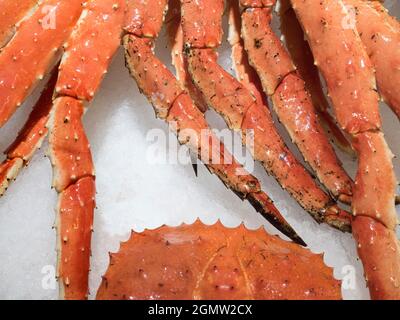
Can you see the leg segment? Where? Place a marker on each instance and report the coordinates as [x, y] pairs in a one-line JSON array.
[[33, 50], [74, 180], [175, 33], [9, 170], [302, 57], [30, 138], [380, 34], [11, 13], [379, 250]]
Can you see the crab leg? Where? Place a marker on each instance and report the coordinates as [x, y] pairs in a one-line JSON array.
[[73, 178], [11, 13], [33, 50], [236, 102], [290, 173], [389, 41], [291, 101], [180, 63], [9, 170], [30, 138], [172, 104], [87, 57], [380, 34], [348, 71], [302, 57]]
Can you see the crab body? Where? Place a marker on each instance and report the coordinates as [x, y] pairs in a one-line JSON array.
[[212, 262]]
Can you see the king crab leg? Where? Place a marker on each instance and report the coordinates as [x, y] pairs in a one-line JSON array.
[[351, 84], [180, 63], [302, 57], [378, 43], [244, 109], [74, 181], [291, 101], [8, 171], [84, 63], [80, 75], [172, 104], [33, 50], [380, 34], [12, 12], [260, 120], [30, 138]]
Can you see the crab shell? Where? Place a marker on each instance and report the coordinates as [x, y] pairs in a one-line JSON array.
[[203, 262]]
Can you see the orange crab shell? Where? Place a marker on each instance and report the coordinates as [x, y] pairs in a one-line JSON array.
[[12, 12], [213, 262]]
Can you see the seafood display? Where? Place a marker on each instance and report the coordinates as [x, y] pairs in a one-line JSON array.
[[71, 44]]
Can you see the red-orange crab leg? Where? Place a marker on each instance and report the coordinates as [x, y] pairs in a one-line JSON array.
[[380, 34], [87, 57], [11, 13], [9, 170], [379, 39], [173, 104], [236, 102], [30, 138], [354, 83], [175, 33], [73, 178], [348, 71], [302, 57], [289, 172], [33, 50], [291, 101]]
